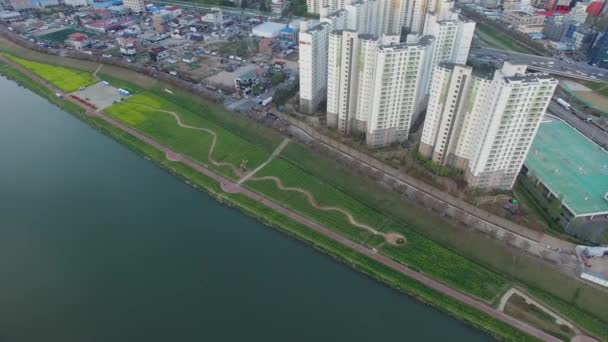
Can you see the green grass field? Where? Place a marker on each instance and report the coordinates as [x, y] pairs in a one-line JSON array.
[[68, 80], [419, 252], [229, 147]]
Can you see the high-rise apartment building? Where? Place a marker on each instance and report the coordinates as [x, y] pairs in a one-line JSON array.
[[342, 79], [137, 6], [397, 91], [366, 16], [414, 12], [313, 43], [362, 16], [318, 6], [484, 126], [453, 35], [376, 87]]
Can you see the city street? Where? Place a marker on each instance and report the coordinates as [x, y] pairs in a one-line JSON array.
[[554, 66]]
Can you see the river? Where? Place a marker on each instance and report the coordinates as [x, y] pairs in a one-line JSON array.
[[99, 244]]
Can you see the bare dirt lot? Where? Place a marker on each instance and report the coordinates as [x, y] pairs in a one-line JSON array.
[[101, 95], [226, 79]]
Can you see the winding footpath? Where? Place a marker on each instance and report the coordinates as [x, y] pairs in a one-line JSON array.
[[278, 182], [311, 200], [232, 187], [179, 122]]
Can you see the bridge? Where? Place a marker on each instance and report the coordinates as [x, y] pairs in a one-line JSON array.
[[577, 70]]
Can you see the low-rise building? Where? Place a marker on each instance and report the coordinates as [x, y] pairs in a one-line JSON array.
[[566, 168], [109, 24], [583, 39], [77, 40], [524, 21], [76, 3], [268, 29], [159, 54], [127, 46], [246, 82], [10, 16], [555, 28], [268, 46], [137, 6]]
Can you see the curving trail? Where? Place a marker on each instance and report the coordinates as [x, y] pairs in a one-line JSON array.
[[278, 181], [313, 202], [179, 122]]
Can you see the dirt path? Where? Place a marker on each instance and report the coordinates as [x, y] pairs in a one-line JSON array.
[[97, 70], [558, 319], [274, 154], [178, 119], [232, 187], [394, 237]]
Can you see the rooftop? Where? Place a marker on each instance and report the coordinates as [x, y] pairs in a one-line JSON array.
[[571, 166]]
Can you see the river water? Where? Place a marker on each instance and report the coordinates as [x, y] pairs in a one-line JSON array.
[[98, 244]]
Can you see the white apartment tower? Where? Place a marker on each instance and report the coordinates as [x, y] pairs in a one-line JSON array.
[[363, 16], [484, 126], [318, 6], [342, 79], [137, 6], [453, 35], [366, 16], [313, 43], [376, 87], [396, 91], [414, 12]]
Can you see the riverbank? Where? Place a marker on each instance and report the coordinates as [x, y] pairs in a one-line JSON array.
[[288, 225], [181, 170], [439, 247]]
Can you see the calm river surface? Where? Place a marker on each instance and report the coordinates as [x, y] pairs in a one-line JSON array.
[[98, 244]]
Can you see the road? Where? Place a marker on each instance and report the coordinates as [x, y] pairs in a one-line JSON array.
[[549, 65], [232, 187], [232, 10], [592, 132]]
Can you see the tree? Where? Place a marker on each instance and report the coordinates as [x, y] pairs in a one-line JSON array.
[[277, 78]]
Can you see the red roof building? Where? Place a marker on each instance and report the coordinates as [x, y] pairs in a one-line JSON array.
[[594, 8]]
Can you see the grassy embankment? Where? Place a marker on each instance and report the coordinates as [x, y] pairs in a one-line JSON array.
[[493, 38], [518, 308], [419, 250], [231, 148], [354, 186], [284, 223], [68, 80]]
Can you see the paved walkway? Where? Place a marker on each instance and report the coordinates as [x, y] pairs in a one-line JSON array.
[[515, 291], [232, 187], [97, 70]]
